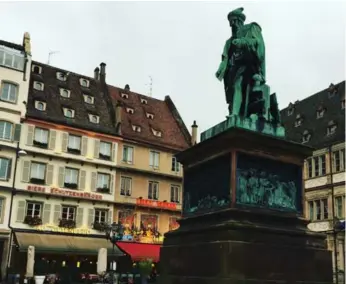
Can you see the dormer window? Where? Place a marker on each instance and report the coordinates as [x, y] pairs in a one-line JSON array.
[[38, 86], [39, 105], [343, 104], [136, 128], [65, 93], [320, 112], [36, 69], [88, 99], [144, 101], [298, 121], [94, 118], [69, 113], [124, 96], [331, 127], [84, 83], [150, 115], [156, 132], [130, 110], [306, 136], [290, 110], [61, 76], [332, 90]]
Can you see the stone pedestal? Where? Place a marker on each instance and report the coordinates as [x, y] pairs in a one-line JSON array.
[[242, 215]]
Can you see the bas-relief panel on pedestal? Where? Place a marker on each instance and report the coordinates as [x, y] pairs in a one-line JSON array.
[[207, 186], [268, 183]]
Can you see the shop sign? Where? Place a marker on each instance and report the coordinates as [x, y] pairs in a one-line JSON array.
[[75, 193], [53, 228], [36, 188], [156, 204], [320, 226]]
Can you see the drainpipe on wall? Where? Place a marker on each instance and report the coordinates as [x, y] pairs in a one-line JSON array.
[[335, 234]]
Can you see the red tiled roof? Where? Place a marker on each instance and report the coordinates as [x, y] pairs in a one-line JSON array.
[[172, 134], [166, 119]]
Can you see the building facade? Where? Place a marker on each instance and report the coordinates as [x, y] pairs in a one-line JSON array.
[[319, 121], [94, 154], [15, 62]]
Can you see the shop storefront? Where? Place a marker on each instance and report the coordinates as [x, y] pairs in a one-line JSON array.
[[69, 255]]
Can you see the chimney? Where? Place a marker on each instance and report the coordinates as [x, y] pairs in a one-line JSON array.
[[103, 72], [127, 87], [97, 73], [118, 113], [194, 133]]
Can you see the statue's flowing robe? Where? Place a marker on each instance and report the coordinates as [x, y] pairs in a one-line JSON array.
[[250, 62]]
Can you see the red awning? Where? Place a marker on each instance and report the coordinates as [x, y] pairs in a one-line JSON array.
[[139, 251]]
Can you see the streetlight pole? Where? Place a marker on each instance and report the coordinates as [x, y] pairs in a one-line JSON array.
[[114, 233], [19, 153], [335, 234]]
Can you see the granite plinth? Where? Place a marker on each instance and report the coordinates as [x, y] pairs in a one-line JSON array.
[[233, 233]]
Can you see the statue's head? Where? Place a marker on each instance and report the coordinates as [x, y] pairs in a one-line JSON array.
[[236, 18]]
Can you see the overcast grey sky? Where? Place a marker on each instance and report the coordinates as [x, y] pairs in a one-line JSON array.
[[179, 44]]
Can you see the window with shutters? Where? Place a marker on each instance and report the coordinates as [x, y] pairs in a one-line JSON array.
[[100, 216], [33, 209], [153, 190], [175, 193], [105, 150], [175, 165], [74, 144], [37, 173], [154, 159], [41, 137], [9, 92], [6, 130], [5, 171], [128, 154], [68, 217], [71, 178], [126, 186], [103, 182]]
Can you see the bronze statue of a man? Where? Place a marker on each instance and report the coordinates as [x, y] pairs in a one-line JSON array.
[[243, 63]]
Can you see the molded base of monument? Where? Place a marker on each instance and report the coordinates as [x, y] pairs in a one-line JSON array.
[[243, 246], [252, 124]]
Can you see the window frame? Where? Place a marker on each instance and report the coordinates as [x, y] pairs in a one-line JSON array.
[[4, 130], [36, 179], [7, 173], [71, 184], [102, 155], [152, 159], [38, 143], [127, 147], [98, 210], [175, 166], [175, 189], [152, 196], [10, 84], [124, 191], [34, 203], [74, 150], [68, 207], [15, 55]]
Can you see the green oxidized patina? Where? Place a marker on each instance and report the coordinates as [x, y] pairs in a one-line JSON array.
[[243, 71]]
